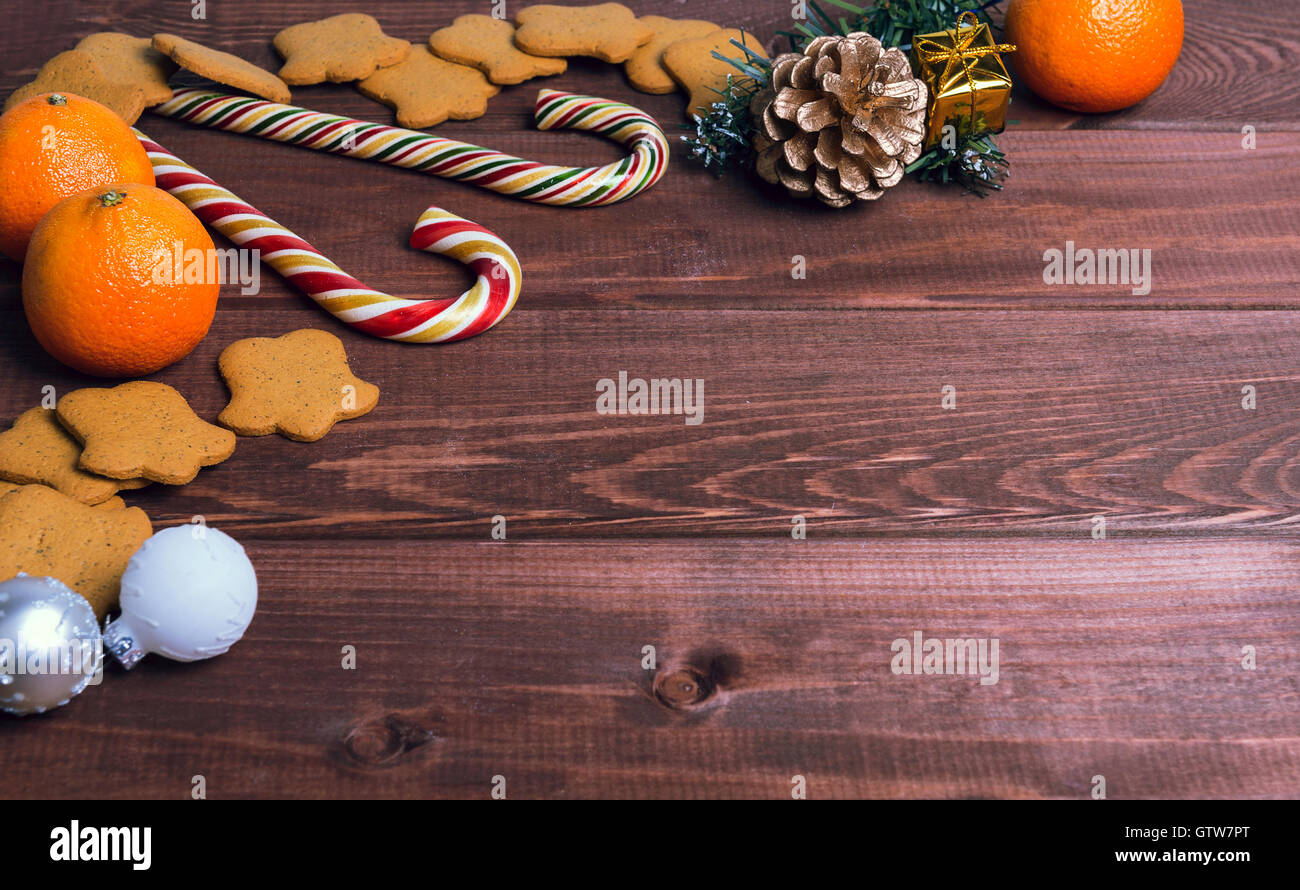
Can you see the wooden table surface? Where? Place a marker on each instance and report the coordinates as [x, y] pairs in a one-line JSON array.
[[522, 658]]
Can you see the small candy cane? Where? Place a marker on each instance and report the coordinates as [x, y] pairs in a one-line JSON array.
[[374, 312], [527, 180]]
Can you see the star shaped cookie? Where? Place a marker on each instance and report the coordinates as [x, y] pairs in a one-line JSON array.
[[77, 72], [644, 69], [37, 450], [131, 60], [44, 533], [339, 49], [222, 67], [488, 44], [298, 385], [113, 503], [692, 64], [607, 31], [426, 90], [142, 430]]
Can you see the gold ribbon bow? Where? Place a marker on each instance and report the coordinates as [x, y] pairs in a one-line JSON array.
[[960, 53]]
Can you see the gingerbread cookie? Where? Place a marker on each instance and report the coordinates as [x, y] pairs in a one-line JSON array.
[[131, 60], [298, 385], [78, 73], [488, 44], [645, 70], [45, 533], [142, 430], [608, 31], [37, 450], [339, 49], [222, 67], [426, 90], [692, 64]]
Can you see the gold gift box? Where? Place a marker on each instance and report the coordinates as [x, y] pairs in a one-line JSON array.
[[962, 67]]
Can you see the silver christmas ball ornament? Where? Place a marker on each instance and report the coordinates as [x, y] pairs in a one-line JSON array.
[[50, 645]]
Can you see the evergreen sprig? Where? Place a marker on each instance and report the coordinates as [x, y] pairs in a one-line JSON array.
[[723, 137], [971, 161], [892, 22]]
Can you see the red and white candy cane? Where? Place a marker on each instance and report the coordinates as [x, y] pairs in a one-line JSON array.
[[413, 320], [436, 156]]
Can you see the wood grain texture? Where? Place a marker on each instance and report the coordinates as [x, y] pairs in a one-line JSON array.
[[832, 415], [522, 658], [1117, 658]]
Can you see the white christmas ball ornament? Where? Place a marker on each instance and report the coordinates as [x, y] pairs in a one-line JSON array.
[[188, 593], [50, 645]]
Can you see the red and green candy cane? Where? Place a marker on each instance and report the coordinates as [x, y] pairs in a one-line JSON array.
[[412, 319], [434, 155]]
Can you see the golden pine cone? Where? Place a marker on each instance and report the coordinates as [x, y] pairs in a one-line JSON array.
[[840, 120]]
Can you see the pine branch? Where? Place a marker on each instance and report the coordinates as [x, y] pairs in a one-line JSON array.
[[892, 22], [971, 161], [724, 137]]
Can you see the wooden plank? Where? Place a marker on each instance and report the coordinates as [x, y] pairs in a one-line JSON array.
[[836, 416], [1218, 221], [1116, 658], [1247, 54]]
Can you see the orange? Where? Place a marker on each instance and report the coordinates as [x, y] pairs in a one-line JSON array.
[[1094, 55], [101, 284], [55, 145]]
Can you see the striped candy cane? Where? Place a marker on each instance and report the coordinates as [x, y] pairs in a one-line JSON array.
[[436, 156], [350, 301]]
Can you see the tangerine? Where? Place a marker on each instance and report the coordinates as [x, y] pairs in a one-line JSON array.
[[120, 281], [1094, 55], [53, 146]]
